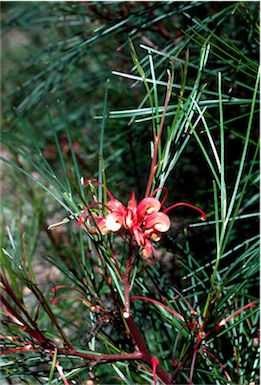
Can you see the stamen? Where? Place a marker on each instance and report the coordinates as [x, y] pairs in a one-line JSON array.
[[203, 215], [165, 196]]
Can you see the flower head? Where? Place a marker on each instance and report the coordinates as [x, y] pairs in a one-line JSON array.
[[144, 222]]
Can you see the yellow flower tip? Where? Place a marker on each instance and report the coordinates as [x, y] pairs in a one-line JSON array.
[[155, 237]]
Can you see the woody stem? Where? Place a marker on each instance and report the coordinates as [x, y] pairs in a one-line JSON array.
[[101, 357], [144, 350]]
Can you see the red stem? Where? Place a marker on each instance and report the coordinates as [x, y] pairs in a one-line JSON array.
[[179, 368], [144, 350], [177, 315], [154, 165], [101, 357]]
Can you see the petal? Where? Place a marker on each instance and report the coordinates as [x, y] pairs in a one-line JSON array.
[[158, 221], [147, 250], [102, 226], [139, 236], [116, 205], [132, 204], [130, 219], [153, 234], [114, 221], [148, 206]]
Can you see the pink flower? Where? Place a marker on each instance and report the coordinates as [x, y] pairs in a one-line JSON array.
[[143, 222]]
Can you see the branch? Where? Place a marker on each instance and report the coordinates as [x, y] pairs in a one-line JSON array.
[[144, 350], [101, 357]]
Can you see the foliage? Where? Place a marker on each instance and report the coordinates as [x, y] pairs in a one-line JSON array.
[[87, 293]]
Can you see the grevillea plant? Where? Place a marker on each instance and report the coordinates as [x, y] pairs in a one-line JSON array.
[[139, 226], [114, 312]]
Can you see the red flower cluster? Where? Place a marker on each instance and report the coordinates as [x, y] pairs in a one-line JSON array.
[[144, 222]]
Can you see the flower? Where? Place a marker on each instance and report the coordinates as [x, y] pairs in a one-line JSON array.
[[144, 222]]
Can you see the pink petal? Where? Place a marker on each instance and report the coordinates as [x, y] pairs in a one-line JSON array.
[[158, 221], [114, 221], [148, 206], [130, 219], [102, 226], [132, 204], [139, 236], [147, 250], [116, 205]]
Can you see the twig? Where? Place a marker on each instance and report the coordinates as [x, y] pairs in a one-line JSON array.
[[101, 357]]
